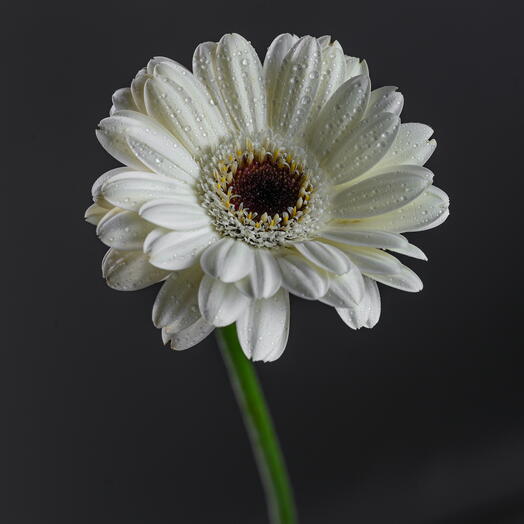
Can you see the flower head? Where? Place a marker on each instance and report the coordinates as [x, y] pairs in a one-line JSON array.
[[244, 182]]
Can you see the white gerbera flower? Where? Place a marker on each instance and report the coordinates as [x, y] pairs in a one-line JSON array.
[[245, 182]]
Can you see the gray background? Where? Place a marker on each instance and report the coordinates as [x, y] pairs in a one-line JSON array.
[[418, 421]]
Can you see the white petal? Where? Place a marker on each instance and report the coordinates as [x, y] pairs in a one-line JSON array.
[[176, 304], [239, 76], [129, 270], [425, 212], [345, 290], [220, 303], [131, 189], [155, 235], [188, 337], [162, 60], [301, 278], [365, 314], [95, 213], [96, 190], [297, 86], [347, 235], [178, 249], [371, 260], [123, 230], [384, 99], [411, 146], [411, 250], [272, 64], [228, 260], [405, 279], [440, 220], [139, 142], [340, 115], [356, 316], [382, 193], [263, 329], [324, 41], [178, 213], [265, 277], [366, 146], [332, 75], [374, 298], [123, 101], [179, 101], [325, 256], [137, 89], [212, 118], [111, 135], [355, 67], [162, 154], [204, 68]]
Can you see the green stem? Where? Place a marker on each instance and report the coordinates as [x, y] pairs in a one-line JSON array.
[[258, 422]]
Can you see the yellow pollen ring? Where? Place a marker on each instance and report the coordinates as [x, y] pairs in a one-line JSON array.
[[239, 163]]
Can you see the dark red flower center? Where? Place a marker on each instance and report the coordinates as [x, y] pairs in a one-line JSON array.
[[264, 187]]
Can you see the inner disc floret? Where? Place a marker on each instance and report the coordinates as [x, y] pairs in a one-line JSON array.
[[265, 187]]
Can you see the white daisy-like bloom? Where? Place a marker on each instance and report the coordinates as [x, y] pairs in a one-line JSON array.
[[246, 181]]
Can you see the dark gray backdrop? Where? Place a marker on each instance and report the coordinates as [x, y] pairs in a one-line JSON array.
[[418, 421]]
